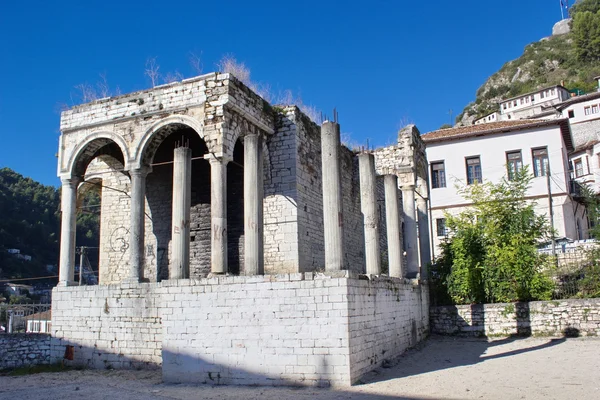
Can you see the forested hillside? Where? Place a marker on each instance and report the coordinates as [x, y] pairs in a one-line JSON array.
[[573, 58], [30, 222]]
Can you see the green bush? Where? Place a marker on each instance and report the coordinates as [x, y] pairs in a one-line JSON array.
[[491, 253]]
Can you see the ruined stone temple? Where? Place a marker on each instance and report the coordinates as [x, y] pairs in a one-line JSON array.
[[240, 242]]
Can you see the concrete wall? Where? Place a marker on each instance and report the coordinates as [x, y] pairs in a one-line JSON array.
[[306, 328], [543, 318], [24, 349]]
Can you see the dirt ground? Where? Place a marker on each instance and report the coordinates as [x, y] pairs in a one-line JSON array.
[[443, 368]]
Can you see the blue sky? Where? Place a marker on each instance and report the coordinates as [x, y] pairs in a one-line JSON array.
[[380, 63]]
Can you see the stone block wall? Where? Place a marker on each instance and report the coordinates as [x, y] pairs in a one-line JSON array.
[[585, 132], [309, 329], [280, 207], [108, 326], [538, 318], [386, 316], [24, 349]]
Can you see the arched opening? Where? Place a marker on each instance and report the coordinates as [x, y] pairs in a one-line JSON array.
[[235, 210], [159, 191], [100, 163]]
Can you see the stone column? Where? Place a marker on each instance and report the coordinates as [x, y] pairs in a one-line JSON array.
[[218, 214], [392, 219], [179, 267], [66, 274], [333, 217], [368, 205], [253, 204], [410, 231], [424, 244], [137, 223]]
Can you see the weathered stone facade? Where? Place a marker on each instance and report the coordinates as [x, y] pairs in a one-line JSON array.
[[24, 349], [539, 318], [275, 330], [193, 239]]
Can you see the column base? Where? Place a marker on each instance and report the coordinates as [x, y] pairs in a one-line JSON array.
[[67, 283]]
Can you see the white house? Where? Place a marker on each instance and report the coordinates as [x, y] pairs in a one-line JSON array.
[[488, 152], [18, 289], [532, 103], [40, 322], [491, 117]]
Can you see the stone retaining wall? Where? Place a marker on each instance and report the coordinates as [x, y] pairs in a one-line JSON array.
[[24, 349], [579, 317], [303, 328]]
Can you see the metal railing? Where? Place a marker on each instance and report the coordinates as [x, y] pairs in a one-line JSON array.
[[25, 318]]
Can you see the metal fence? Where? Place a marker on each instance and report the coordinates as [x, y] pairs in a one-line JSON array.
[[25, 318]]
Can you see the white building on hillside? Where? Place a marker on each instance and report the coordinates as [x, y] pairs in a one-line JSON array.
[[492, 117], [531, 104], [462, 156]]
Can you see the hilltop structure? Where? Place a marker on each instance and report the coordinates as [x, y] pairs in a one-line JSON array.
[[233, 236]]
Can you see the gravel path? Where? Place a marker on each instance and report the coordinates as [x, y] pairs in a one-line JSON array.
[[442, 368]]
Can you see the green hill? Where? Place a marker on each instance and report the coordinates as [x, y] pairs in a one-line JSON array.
[[30, 222], [572, 58]]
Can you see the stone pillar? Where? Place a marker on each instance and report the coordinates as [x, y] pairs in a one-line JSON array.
[[332, 196], [392, 219], [424, 243], [179, 267], [218, 214], [137, 223], [253, 204], [368, 205], [66, 274], [410, 231]]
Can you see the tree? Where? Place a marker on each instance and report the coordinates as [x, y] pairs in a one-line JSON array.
[[491, 253], [586, 32]]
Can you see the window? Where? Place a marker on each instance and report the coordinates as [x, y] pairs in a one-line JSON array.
[[522, 101], [541, 95], [552, 92], [578, 164], [595, 109], [504, 106], [438, 175], [532, 98], [440, 225], [587, 110], [540, 162], [571, 114], [473, 170], [515, 103], [514, 162]]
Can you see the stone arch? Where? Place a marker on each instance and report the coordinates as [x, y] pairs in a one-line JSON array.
[[153, 137], [86, 151]]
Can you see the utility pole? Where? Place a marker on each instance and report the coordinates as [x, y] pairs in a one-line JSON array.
[[551, 211], [81, 256]]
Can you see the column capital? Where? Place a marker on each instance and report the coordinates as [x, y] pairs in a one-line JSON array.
[[406, 188], [141, 172], [71, 181], [218, 159], [252, 134]]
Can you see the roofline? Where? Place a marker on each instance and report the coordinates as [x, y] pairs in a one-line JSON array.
[[575, 100], [504, 129], [535, 91]]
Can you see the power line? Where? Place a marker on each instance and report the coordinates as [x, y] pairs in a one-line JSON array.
[[28, 279]]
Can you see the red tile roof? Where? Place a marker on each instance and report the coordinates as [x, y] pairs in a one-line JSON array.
[[496, 128]]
